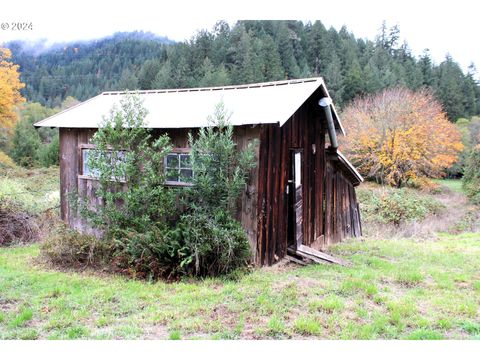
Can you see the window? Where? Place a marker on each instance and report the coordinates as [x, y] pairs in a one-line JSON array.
[[92, 173], [178, 168], [86, 171]]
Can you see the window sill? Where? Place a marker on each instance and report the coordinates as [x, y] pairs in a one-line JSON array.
[[87, 177], [178, 183]]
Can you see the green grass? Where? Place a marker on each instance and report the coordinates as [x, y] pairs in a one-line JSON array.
[[453, 184], [307, 326], [395, 289], [175, 335], [24, 316]]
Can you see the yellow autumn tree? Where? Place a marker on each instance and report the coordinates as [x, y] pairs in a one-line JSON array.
[[399, 135], [10, 97]]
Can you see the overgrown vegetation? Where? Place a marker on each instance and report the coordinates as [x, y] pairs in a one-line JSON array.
[[419, 213], [128, 165], [68, 248], [154, 230], [396, 206], [16, 226], [471, 179], [33, 190], [28, 200], [217, 241]]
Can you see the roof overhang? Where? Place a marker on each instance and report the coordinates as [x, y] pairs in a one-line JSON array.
[[348, 168]]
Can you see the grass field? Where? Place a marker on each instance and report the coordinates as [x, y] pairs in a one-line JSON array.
[[452, 184], [394, 290]]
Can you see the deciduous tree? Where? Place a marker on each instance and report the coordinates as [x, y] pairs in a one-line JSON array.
[[398, 135], [10, 97]]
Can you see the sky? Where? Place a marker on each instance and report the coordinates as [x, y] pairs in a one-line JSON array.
[[441, 26]]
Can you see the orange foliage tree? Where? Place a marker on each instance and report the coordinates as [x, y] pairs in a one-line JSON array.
[[399, 135], [10, 97]]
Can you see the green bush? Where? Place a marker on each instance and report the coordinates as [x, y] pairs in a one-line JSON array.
[[396, 206], [151, 230], [471, 178], [69, 248], [131, 183], [25, 144], [215, 239], [216, 243], [150, 255], [48, 154]]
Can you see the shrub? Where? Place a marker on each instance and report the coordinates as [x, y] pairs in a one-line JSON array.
[[216, 243], [136, 204], [154, 230], [396, 206], [471, 178], [48, 153], [150, 255], [16, 226], [69, 248], [25, 144], [6, 161], [129, 167], [215, 239]]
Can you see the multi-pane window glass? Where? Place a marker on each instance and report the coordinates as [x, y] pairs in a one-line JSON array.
[[178, 168], [116, 162], [87, 171]]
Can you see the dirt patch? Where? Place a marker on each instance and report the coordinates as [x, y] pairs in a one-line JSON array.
[[155, 332], [8, 305], [281, 266]]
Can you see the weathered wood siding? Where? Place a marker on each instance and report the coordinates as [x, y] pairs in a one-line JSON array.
[[342, 214], [71, 168], [304, 130], [329, 209]]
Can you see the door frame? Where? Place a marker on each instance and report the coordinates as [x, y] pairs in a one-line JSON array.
[[295, 199]]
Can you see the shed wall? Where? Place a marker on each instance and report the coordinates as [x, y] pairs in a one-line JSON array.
[[330, 210], [71, 167], [305, 130]]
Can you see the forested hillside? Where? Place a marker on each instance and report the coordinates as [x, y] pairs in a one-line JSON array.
[[83, 69], [250, 51]]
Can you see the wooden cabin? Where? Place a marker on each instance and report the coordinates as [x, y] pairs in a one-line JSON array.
[[300, 194]]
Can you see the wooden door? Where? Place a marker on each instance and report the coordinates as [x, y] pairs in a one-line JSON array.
[[297, 196]]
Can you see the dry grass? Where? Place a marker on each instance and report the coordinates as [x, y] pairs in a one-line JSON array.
[[458, 216], [16, 226]]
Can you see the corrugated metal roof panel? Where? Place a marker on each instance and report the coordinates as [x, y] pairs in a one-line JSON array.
[[263, 103]]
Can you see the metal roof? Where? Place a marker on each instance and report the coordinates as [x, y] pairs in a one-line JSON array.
[[262, 103]]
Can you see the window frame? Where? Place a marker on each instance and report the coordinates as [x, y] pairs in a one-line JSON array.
[[81, 163], [178, 152]]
